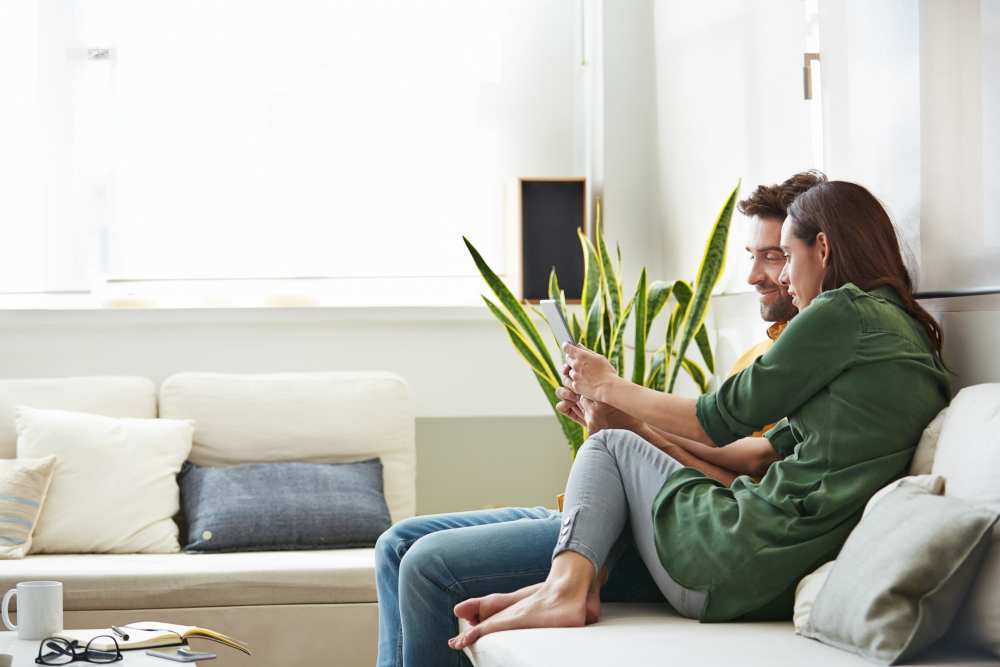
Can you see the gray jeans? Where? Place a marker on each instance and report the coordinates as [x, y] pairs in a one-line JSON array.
[[610, 492]]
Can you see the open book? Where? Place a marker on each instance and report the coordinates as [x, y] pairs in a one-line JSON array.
[[150, 634]]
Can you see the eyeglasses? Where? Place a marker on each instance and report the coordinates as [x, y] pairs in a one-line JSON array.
[[62, 652]]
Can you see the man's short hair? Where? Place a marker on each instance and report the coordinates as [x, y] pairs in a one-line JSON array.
[[772, 201]]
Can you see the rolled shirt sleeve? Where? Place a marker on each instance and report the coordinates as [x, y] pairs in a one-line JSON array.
[[816, 347]]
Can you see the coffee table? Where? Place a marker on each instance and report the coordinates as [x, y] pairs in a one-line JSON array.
[[23, 654]]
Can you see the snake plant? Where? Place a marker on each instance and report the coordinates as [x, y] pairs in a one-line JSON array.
[[604, 314]]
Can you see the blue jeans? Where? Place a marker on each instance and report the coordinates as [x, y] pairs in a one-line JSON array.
[[426, 565]]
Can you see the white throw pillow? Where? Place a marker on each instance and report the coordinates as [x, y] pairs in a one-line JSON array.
[[114, 489], [810, 585], [969, 458], [923, 458]]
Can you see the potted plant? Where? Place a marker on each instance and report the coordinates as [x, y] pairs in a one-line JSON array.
[[605, 314]]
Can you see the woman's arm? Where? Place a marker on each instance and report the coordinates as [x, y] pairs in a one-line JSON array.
[[747, 456], [590, 375], [686, 458]]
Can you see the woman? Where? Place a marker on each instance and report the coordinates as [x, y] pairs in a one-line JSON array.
[[857, 373]]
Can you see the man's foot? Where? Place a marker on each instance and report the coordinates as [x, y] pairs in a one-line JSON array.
[[547, 607]]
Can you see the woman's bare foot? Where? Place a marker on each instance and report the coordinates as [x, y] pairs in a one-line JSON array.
[[561, 602], [477, 610]]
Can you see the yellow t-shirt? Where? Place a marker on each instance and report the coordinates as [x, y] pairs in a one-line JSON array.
[[748, 357]]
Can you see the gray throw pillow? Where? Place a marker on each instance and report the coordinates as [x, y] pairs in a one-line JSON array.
[[901, 576], [277, 506]]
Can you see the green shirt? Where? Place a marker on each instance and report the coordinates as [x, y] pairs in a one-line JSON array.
[[858, 380]]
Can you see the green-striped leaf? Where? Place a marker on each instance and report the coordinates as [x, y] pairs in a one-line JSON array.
[[574, 327], [521, 345], [682, 294], [593, 330], [641, 300], [554, 285], [591, 275], [617, 344], [655, 368], [659, 293], [711, 267], [573, 432], [611, 286], [697, 374], [514, 308], [705, 348]]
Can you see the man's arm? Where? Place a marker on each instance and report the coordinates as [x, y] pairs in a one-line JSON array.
[[684, 457], [747, 456]]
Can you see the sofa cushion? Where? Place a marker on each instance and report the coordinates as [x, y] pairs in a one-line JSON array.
[[653, 634], [109, 396], [330, 417], [283, 506], [968, 457], [115, 483], [162, 581]]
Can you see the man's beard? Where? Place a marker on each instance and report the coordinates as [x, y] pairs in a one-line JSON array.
[[782, 310]]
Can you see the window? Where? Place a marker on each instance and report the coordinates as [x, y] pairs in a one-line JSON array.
[[253, 140]]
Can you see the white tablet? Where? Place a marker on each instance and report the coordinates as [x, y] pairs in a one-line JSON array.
[[557, 320]]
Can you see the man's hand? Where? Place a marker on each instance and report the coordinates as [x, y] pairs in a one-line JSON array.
[[594, 415]]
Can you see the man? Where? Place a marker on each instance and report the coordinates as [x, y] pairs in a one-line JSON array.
[[422, 566]]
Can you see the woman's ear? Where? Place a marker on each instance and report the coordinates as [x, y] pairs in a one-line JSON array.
[[823, 247]]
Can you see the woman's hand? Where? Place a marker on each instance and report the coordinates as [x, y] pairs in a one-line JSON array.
[[586, 373]]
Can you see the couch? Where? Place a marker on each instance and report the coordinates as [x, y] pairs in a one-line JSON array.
[[295, 608], [967, 440]]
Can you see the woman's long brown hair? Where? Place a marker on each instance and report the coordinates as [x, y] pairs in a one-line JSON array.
[[864, 248]]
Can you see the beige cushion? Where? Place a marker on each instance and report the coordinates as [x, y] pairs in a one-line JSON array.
[[109, 396], [901, 576], [148, 581], [969, 458], [810, 585], [114, 489], [643, 635], [24, 484], [316, 417], [923, 458]]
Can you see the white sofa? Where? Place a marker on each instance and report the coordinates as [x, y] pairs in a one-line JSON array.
[[294, 608], [969, 445]]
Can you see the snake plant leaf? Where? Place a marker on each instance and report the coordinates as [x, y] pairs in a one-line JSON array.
[[553, 285], [573, 432], [610, 284], [574, 327], [682, 294], [712, 263], [606, 325], [591, 274], [514, 308], [659, 294], [696, 372], [593, 330], [641, 300], [655, 366], [705, 348], [521, 345], [617, 344]]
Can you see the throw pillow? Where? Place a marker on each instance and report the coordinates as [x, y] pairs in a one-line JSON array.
[[810, 585], [901, 576], [923, 457], [275, 506], [23, 485], [969, 458], [114, 489]]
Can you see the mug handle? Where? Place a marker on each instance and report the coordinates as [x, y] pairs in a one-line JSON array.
[[5, 609]]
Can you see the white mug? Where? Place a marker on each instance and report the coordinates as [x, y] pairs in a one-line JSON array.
[[39, 609]]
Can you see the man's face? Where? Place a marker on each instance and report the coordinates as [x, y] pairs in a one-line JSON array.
[[768, 260]]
